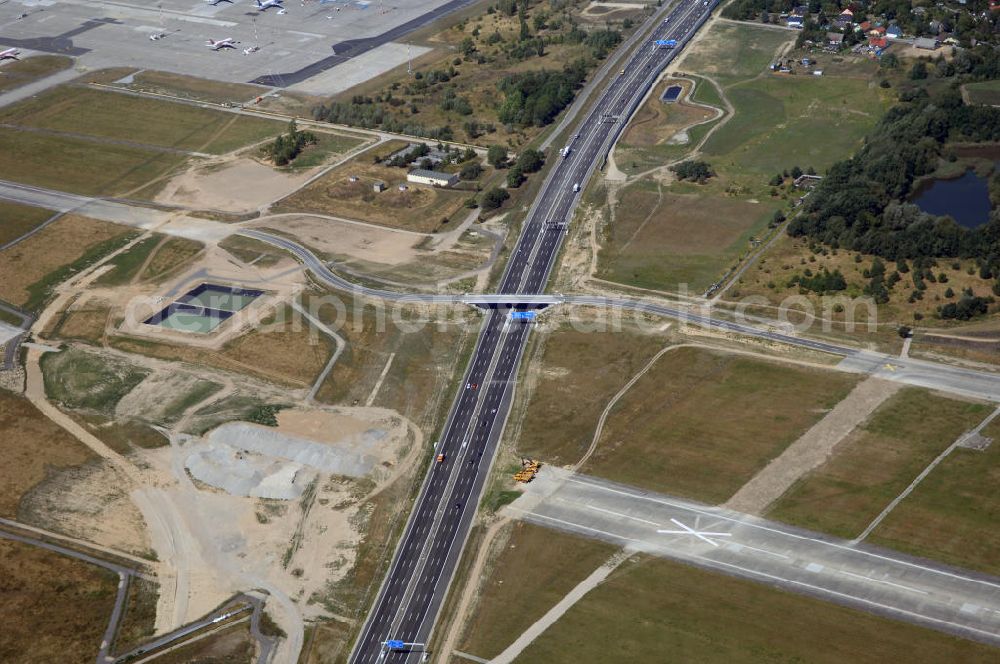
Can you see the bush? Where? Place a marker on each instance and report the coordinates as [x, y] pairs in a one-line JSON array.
[[471, 170], [496, 156], [515, 177], [696, 171], [494, 198]]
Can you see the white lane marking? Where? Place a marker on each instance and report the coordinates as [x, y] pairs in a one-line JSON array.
[[625, 516], [888, 583]]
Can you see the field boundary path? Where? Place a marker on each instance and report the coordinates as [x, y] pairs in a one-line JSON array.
[[812, 448]]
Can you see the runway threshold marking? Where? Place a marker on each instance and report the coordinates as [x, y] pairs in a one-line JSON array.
[[703, 535]]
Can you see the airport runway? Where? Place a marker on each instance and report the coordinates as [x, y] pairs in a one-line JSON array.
[[857, 575], [411, 595]]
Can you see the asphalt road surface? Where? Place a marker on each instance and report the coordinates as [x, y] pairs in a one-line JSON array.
[[425, 560], [857, 575]]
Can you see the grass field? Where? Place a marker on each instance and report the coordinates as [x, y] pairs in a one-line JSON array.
[[80, 166], [139, 618], [31, 269], [16, 220], [230, 645], [780, 122], [32, 446], [578, 374], [326, 146], [697, 232], [191, 87], [55, 608], [662, 239], [14, 74], [418, 208], [983, 92], [534, 570], [700, 424], [127, 264], [141, 120], [731, 52], [81, 380], [875, 463], [649, 608], [951, 515], [170, 256]]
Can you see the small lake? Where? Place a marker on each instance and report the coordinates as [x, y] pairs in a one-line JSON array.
[[965, 199]]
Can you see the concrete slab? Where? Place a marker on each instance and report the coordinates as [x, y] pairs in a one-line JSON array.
[[8, 332], [292, 43], [360, 69], [864, 577]]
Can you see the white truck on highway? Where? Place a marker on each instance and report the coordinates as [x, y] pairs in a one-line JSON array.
[[565, 151]]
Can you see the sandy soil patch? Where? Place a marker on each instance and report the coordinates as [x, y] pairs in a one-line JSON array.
[[238, 185], [345, 239], [213, 543], [88, 503]]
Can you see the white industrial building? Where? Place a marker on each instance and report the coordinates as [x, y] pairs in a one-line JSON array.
[[434, 178]]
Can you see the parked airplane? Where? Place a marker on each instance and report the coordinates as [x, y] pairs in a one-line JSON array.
[[10, 54], [228, 42], [267, 4]]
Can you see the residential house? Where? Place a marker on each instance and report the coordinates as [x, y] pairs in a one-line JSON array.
[[834, 39], [794, 21], [894, 31], [926, 43]]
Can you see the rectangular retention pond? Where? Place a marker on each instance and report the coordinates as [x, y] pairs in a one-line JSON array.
[[203, 308]]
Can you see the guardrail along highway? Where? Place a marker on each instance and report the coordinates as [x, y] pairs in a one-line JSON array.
[[424, 563]]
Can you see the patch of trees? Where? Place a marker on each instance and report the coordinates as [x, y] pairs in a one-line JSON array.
[[372, 115], [861, 203], [696, 171], [494, 198], [821, 282], [536, 98], [529, 161], [288, 146], [968, 307], [745, 10]]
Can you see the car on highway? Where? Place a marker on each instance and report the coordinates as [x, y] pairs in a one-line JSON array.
[[576, 186], [440, 458]]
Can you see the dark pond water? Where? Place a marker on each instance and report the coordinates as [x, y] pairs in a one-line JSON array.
[[965, 199]]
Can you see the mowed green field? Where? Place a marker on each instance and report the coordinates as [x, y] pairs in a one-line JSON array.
[[80, 166], [700, 424], [652, 611], [953, 514], [139, 120], [16, 220], [15, 73], [784, 121], [699, 231], [875, 463], [984, 92]]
